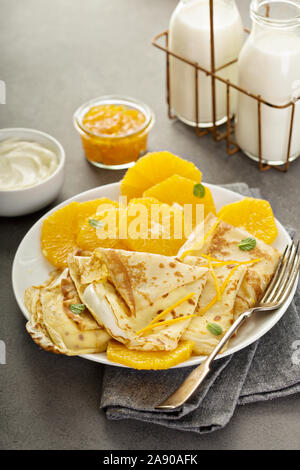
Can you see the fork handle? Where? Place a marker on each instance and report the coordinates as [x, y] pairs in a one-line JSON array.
[[197, 376]]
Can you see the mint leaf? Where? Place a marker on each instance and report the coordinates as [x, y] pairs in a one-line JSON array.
[[95, 223], [199, 190], [214, 329], [77, 308], [247, 244]]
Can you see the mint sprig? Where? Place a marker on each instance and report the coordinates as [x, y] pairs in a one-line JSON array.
[[95, 223], [199, 190], [77, 308], [247, 244], [214, 329]]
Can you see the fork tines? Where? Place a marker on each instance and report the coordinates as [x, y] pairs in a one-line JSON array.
[[285, 275]]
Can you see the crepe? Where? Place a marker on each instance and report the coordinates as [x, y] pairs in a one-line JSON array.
[[125, 291], [54, 326], [221, 242], [220, 313]]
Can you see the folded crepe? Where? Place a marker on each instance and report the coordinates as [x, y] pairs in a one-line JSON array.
[[54, 326], [221, 242], [125, 291], [221, 312]]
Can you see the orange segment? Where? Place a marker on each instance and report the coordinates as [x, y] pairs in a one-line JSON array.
[[154, 168], [117, 352], [180, 190], [58, 238], [89, 237], [89, 208], [146, 201], [254, 215], [60, 229], [162, 230]]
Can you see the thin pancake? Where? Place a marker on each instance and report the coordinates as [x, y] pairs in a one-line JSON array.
[[125, 291], [220, 313], [52, 324], [222, 243]]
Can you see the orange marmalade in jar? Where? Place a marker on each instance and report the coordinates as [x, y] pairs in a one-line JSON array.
[[114, 130]]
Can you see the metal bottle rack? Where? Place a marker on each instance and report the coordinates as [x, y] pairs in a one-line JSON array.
[[232, 146]]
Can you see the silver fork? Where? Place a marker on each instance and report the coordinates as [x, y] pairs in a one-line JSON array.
[[275, 295]]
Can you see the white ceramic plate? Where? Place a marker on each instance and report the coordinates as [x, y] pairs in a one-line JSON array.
[[31, 268]]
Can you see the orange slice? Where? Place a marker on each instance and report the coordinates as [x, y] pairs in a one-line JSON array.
[[254, 215], [58, 237], [88, 208], [117, 352], [153, 227], [89, 238], [154, 168], [60, 229], [180, 190]]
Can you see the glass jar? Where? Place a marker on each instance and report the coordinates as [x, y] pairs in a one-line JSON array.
[[114, 130], [189, 37], [269, 66]]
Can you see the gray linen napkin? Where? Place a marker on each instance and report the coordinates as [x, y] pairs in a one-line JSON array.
[[268, 368]]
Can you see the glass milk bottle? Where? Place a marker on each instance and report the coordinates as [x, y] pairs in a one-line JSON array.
[[189, 36], [269, 65]]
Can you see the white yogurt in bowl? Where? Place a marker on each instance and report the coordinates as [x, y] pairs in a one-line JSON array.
[[31, 170], [25, 163]]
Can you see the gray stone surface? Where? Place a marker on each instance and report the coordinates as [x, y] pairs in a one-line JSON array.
[[54, 56]]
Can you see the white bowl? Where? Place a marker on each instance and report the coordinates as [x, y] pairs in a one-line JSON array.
[[17, 202]]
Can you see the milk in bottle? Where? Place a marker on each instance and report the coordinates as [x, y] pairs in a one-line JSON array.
[[269, 66], [189, 36]]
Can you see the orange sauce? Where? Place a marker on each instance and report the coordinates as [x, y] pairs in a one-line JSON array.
[[115, 134]]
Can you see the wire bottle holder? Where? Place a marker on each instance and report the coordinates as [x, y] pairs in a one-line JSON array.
[[232, 146]]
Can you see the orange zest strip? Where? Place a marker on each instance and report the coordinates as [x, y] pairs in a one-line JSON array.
[[186, 317], [215, 278], [204, 309], [201, 242], [230, 261], [214, 265], [187, 252], [222, 288], [164, 312], [169, 322]]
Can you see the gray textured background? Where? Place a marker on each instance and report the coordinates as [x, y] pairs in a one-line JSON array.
[[54, 56]]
